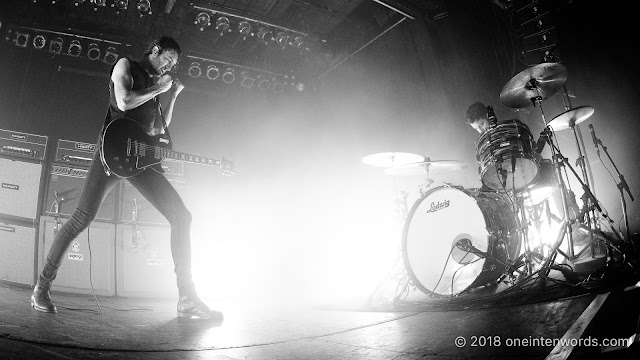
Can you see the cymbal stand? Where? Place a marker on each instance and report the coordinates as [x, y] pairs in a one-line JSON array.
[[580, 143], [566, 226], [590, 218], [558, 161], [622, 186]]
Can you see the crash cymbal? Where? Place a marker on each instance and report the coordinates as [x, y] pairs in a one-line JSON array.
[[389, 159], [541, 80], [571, 117], [427, 167]]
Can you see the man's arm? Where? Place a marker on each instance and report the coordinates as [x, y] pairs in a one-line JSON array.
[[126, 97], [176, 88]]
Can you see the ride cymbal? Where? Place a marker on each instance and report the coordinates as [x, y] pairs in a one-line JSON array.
[[570, 118], [542, 80], [389, 159]]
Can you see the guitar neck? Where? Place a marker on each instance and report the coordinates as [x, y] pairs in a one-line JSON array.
[[162, 153]]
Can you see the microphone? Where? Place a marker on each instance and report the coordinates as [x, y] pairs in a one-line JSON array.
[[493, 121], [595, 139], [466, 245], [542, 140]]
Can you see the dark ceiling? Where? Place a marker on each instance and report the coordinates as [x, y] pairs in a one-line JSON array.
[[307, 37]]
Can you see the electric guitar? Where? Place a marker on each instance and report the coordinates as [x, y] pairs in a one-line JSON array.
[[126, 150]]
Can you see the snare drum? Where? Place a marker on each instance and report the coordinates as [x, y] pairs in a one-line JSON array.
[[454, 240], [507, 157]]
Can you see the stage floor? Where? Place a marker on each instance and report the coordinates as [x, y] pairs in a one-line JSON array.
[[555, 322]]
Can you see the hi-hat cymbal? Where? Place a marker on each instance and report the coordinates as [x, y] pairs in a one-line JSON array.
[[571, 117], [427, 168], [389, 159], [542, 80]]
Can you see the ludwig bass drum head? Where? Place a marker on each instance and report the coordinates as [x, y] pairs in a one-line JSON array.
[[438, 222]]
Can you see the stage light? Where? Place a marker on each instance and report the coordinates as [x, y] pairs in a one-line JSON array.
[[121, 5], [297, 42], [144, 7], [282, 38], [203, 21], [22, 39], [222, 24], [244, 28], [213, 72], [94, 52], [99, 3], [77, 2], [246, 80], [55, 46], [263, 83], [195, 70], [300, 87], [39, 41], [229, 75], [110, 56], [264, 34], [75, 48], [278, 86]]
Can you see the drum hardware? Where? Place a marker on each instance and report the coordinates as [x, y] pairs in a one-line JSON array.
[[570, 120], [566, 227], [391, 159], [427, 167], [622, 185]]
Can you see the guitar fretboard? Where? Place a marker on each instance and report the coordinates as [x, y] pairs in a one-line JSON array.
[[162, 153]]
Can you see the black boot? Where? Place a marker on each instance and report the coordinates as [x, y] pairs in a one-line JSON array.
[[192, 306], [40, 299]]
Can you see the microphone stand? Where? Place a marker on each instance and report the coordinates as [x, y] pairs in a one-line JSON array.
[[622, 185]]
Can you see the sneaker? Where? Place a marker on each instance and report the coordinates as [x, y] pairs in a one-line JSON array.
[[192, 306]]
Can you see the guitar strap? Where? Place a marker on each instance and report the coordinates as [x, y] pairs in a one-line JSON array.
[[164, 123]]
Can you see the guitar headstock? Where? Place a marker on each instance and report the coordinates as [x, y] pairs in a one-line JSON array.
[[227, 166]]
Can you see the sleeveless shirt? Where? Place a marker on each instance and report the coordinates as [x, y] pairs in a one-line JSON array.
[[145, 115]]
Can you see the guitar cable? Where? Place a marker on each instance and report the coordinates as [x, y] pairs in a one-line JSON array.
[[91, 271]]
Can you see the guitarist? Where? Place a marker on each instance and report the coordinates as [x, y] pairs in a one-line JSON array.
[[134, 89]]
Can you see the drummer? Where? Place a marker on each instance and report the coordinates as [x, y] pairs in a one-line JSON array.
[[477, 116]]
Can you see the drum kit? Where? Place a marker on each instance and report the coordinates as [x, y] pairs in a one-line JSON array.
[[457, 240]]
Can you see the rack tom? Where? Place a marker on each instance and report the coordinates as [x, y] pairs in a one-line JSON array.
[[507, 157]]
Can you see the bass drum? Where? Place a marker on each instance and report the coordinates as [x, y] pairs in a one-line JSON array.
[[454, 239]]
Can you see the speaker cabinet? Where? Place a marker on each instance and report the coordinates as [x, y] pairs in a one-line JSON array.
[[83, 267], [19, 188], [17, 253], [143, 260], [66, 184], [144, 212]]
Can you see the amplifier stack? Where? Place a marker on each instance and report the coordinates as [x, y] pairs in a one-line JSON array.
[[21, 170]]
